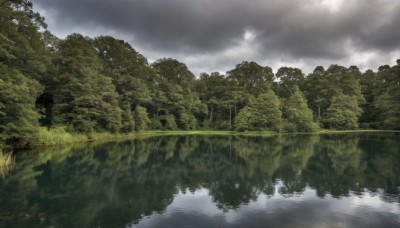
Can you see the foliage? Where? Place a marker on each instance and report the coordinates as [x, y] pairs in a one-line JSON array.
[[267, 113], [243, 120], [7, 162], [18, 116], [127, 119], [251, 77], [343, 113], [322, 85], [170, 123], [387, 104], [290, 81], [298, 117], [57, 136], [142, 120], [127, 68], [102, 85], [174, 71], [261, 114], [85, 100], [187, 121]]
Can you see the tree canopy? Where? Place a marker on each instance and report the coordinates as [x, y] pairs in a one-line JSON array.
[[103, 84]]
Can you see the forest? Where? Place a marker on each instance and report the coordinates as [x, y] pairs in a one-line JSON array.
[[84, 85]]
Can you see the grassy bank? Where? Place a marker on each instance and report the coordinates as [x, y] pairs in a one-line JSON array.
[[261, 133], [59, 136], [6, 163], [326, 131]]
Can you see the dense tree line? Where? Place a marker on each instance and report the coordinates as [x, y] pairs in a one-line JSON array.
[[103, 84]]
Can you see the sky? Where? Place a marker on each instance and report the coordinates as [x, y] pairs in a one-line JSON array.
[[215, 35]]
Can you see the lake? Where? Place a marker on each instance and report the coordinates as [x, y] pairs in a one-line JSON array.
[[328, 180]]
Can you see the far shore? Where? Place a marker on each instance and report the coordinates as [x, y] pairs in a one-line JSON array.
[[68, 138]]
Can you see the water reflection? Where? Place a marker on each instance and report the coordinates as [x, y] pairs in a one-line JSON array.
[[308, 180], [197, 209]]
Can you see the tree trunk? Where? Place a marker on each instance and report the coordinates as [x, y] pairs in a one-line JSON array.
[[211, 113], [230, 116], [235, 109]]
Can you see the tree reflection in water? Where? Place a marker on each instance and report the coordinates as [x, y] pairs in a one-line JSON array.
[[113, 184]]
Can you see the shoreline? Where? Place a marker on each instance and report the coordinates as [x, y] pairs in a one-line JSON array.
[[98, 137]]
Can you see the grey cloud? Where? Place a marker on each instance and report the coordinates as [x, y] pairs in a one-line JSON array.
[[287, 31]]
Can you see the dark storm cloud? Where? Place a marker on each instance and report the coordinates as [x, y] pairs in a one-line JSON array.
[[287, 30], [166, 25]]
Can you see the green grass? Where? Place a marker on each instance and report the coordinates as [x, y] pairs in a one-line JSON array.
[[256, 133], [58, 136], [329, 131], [6, 163], [206, 132]]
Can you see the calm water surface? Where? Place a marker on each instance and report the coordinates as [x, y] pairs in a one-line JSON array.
[[338, 180]]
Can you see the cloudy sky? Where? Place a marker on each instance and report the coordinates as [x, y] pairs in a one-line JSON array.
[[215, 35]]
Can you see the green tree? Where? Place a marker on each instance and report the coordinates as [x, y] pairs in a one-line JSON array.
[[318, 91], [389, 110], [23, 61], [290, 80], [175, 94], [187, 121], [266, 111], [170, 123], [371, 88], [142, 120], [261, 114], [18, 116], [127, 68], [85, 100], [251, 77], [127, 119], [174, 71], [215, 91], [387, 104], [298, 117], [321, 86], [21, 44], [343, 113], [243, 121]]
